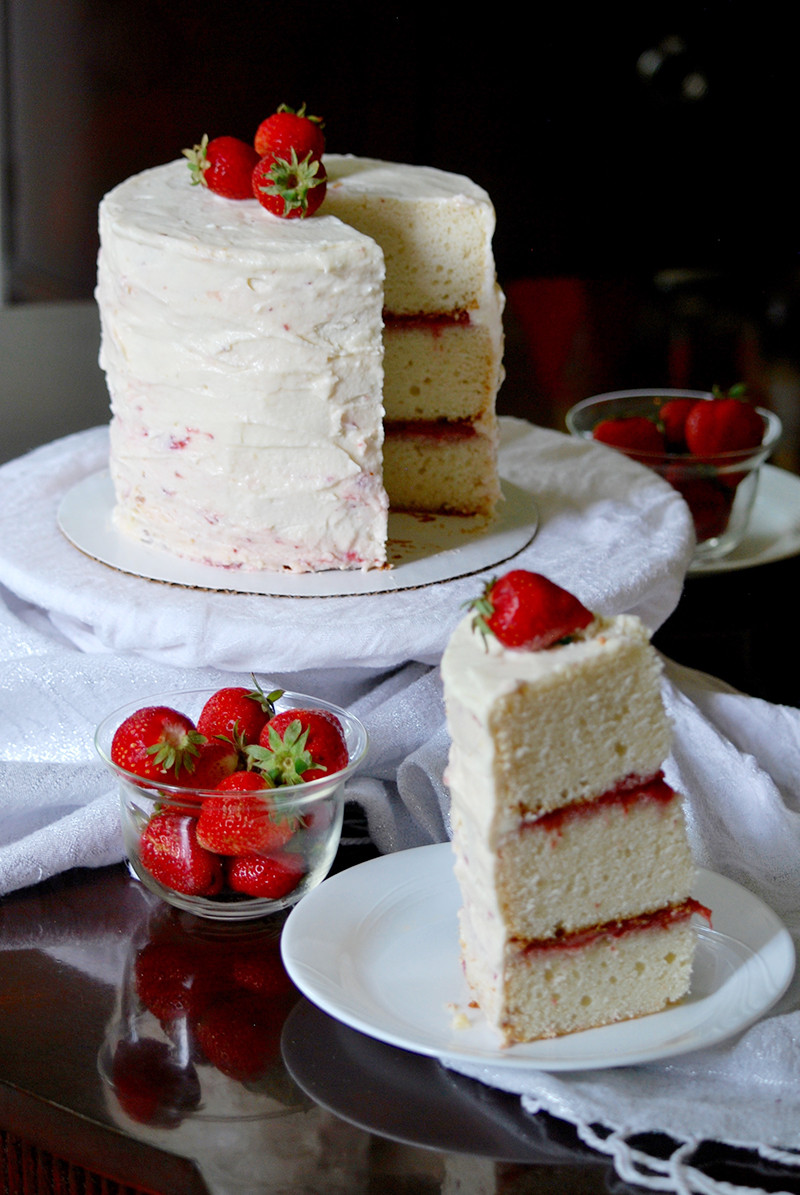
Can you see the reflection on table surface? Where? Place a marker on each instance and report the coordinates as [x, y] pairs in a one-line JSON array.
[[171, 1055], [144, 1045], [216, 1076]]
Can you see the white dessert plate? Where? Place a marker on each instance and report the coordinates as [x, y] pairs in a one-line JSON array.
[[774, 529], [377, 947], [422, 549]]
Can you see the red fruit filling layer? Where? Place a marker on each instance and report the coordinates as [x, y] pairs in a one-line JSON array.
[[431, 429], [435, 324], [627, 793], [661, 919]]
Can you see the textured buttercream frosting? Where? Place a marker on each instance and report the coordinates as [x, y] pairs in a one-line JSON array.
[[243, 355]]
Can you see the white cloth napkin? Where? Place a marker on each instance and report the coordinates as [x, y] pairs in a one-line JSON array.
[[737, 760], [78, 639], [608, 528]]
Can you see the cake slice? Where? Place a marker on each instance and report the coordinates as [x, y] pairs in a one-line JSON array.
[[571, 851]]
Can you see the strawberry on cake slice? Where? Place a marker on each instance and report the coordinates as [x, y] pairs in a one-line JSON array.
[[571, 851]]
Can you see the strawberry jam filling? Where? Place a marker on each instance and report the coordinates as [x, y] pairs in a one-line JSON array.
[[629, 792], [664, 918], [435, 324], [432, 429]]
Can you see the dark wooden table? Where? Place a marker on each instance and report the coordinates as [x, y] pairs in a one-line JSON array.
[[740, 626], [318, 1107]]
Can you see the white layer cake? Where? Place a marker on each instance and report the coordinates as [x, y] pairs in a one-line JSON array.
[[244, 356], [570, 850]]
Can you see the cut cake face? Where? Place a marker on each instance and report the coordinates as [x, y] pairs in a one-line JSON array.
[[443, 337], [571, 852]]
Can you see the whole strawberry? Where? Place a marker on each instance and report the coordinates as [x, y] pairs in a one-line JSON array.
[[299, 745], [526, 610], [631, 433], [722, 424], [216, 758], [239, 823], [710, 502], [157, 743], [224, 165], [237, 712], [290, 187], [270, 876], [288, 130], [673, 419], [170, 852]]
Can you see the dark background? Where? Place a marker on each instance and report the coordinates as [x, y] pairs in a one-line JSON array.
[[640, 158]]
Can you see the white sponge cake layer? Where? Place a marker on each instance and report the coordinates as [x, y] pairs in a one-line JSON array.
[[435, 370], [530, 994], [605, 860], [435, 229], [443, 469]]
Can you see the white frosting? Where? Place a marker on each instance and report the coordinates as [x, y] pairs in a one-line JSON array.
[[398, 180], [243, 355]]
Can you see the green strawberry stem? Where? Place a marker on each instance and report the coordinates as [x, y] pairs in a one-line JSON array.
[[285, 759], [171, 757], [292, 180], [483, 609], [265, 700], [198, 161]]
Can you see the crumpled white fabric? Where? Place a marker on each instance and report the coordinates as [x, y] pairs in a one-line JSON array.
[[59, 806], [78, 639], [737, 760], [609, 529]]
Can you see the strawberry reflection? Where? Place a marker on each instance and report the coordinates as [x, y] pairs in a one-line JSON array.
[[200, 1021]]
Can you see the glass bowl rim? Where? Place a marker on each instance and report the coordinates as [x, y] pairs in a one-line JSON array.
[[773, 428], [305, 792]]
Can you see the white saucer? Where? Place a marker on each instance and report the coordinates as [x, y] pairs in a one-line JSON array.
[[422, 549], [377, 948], [774, 529]]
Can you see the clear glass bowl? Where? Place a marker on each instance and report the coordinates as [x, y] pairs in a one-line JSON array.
[[719, 490], [312, 810]]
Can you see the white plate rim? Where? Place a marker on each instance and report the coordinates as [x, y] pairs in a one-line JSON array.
[[84, 518], [775, 520], [329, 935]]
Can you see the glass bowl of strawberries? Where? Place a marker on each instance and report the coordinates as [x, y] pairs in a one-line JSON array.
[[709, 445], [232, 798]]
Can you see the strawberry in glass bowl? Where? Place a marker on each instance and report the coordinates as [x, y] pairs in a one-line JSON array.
[[232, 799], [709, 446]]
